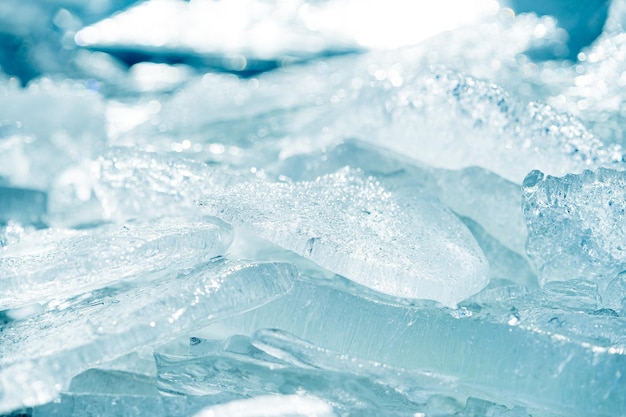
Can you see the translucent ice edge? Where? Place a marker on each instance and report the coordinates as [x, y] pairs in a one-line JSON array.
[[38, 356], [55, 264], [527, 349]]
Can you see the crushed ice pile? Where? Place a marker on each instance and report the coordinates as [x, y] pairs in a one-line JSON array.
[[312, 208]]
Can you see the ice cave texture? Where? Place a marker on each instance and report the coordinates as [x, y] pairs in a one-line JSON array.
[[280, 208]]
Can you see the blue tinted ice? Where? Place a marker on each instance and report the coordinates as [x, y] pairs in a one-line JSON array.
[[548, 351], [38, 356], [425, 231], [576, 225], [55, 264]]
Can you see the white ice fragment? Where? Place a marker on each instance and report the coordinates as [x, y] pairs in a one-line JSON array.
[[270, 406], [54, 264], [400, 242]]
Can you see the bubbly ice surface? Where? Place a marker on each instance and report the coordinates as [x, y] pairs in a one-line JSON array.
[[400, 242], [576, 226]]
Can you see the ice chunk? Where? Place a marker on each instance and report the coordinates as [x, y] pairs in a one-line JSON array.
[[38, 356], [271, 406], [276, 361], [401, 242], [486, 198], [56, 264], [529, 350], [576, 226]]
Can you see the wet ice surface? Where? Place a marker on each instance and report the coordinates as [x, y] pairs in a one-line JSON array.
[[435, 230]]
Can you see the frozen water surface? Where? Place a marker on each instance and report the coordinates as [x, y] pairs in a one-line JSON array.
[[300, 208]]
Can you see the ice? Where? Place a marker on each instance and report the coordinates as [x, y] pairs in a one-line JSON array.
[[575, 225], [124, 184], [542, 351], [52, 265], [273, 360], [391, 107], [23, 205], [250, 36], [40, 135], [260, 207], [352, 225], [38, 356], [113, 393], [483, 126], [494, 218], [468, 192]]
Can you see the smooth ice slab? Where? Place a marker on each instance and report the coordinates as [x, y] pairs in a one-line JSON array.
[[549, 351], [56, 264], [38, 356], [576, 227], [272, 361], [400, 242]]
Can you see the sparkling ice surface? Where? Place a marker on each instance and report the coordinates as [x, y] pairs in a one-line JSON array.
[[268, 208], [576, 226], [399, 243]]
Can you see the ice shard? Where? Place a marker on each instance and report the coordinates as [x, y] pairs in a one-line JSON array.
[[550, 352], [38, 356], [52, 265], [399, 242], [576, 226]]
